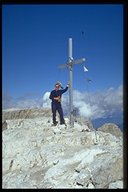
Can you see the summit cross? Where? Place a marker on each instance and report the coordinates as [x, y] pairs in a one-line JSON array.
[[69, 65]]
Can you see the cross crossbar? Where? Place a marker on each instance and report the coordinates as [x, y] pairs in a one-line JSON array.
[[78, 61]]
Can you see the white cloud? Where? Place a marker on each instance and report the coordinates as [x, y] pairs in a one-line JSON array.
[[100, 104], [114, 97], [7, 101], [46, 100], [84, 108]]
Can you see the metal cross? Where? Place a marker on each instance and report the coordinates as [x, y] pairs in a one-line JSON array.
[[69, 65]]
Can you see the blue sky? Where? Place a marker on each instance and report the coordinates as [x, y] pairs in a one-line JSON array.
[[35, 43]]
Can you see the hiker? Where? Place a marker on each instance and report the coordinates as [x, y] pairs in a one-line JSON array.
[[55, 96]]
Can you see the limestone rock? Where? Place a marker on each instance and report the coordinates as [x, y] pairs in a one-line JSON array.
[[111, 128], [4, 125], [36, 155], [25, 113], [116, 185]]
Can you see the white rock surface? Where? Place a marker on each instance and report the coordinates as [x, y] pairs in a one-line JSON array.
[[36, 155], [116, 185]]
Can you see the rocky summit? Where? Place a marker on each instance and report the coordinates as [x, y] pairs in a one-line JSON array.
[[36, 155]]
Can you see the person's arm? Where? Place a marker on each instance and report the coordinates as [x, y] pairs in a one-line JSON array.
[[51, 95], [64, 90], [57, 98]]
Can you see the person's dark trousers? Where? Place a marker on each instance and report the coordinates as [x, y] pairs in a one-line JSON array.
[[57, 107], [60, 111], [54, 108]]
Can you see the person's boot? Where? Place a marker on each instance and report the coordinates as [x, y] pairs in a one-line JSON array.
[[55, 123], [62, 123]]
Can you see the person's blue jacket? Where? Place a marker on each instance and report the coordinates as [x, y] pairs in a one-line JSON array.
[[57, 93]]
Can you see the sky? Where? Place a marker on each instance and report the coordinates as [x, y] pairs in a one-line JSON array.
[[35, 42]]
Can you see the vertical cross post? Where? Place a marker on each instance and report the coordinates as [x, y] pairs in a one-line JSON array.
[[69, 65], [70, 80]]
